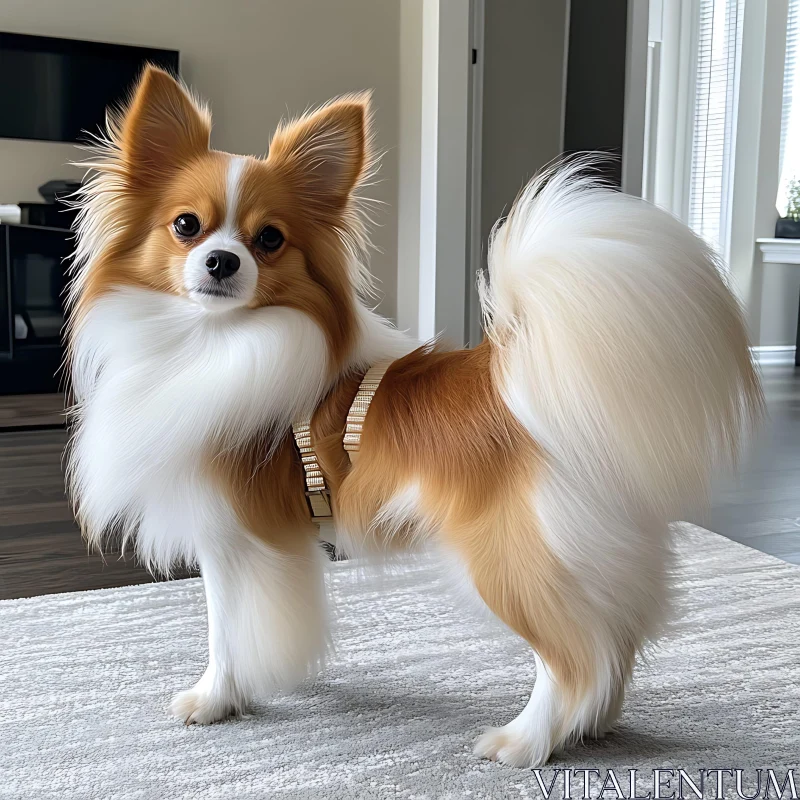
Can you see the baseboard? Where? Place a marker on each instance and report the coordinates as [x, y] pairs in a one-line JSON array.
[[774, 354]]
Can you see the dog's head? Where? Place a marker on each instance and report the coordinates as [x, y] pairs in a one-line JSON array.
[[165, 212]]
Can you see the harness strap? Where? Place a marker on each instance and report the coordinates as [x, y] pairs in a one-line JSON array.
[[318, 495], [358, 411]]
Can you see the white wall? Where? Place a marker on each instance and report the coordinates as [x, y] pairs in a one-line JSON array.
[[756, 173], [253, 61], [633, 136], [445, 121], [522, 61], [409, 165], [768, 291], [780, 289]]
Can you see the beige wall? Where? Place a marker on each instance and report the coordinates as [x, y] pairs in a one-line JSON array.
[[252, 61]]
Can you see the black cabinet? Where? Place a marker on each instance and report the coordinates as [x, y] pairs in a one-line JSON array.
[[33, 281]]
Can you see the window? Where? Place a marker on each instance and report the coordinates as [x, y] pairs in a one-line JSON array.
[[716, 84], [790, 119]]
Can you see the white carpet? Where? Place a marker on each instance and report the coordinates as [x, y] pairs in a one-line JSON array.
[[85, 679]]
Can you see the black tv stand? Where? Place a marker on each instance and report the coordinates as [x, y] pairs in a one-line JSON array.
[[33, 279]]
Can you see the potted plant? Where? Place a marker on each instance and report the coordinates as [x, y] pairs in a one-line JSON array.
[[788, 227]]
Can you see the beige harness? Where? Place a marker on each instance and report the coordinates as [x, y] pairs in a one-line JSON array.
[[318, 495]]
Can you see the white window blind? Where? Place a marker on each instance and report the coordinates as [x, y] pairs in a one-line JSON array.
[[790, 119], [714, 130]]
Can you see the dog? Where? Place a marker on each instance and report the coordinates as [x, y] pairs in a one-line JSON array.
[[217, 300]]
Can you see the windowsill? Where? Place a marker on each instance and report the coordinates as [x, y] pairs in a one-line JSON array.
[[779, 251]]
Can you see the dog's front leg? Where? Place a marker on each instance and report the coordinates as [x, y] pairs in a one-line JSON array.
[[267, 625]]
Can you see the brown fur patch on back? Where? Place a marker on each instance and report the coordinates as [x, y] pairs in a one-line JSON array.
[[438, 422], [437, 418]]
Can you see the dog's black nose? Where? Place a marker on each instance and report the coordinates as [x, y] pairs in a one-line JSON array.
[[221, 263]]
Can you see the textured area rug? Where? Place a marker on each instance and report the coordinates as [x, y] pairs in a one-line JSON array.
[[85, 679]]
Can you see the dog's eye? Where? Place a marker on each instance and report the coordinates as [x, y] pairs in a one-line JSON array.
[[187, 226], [270, 239]]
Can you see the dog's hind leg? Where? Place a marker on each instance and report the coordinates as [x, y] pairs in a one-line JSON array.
[[582, 665], [556, 713]]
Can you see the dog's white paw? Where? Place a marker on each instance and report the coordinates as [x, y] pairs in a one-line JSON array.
[[207, 701], [513, 745]]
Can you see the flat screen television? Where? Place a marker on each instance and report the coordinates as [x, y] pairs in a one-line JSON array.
[[55, 89]]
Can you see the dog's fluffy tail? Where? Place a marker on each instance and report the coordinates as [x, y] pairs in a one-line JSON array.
[[621, 347]]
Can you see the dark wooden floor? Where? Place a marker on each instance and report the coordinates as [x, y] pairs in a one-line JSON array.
[[761, 508], [41, 550]]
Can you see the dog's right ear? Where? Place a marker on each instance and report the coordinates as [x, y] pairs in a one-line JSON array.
[[162, 129]]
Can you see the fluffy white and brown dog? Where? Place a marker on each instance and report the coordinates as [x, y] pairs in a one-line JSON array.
[[219, 298]]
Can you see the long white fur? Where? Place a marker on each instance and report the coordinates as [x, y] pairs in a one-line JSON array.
[[624, 349], [157, 379], [621, 350], [267, 619], [401, 512], [233, 180], [624, 354]]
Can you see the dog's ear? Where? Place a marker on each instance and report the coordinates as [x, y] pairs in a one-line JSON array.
[[326, 152], [162, 129]]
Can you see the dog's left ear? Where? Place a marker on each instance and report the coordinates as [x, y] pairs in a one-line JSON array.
[[326, 152]]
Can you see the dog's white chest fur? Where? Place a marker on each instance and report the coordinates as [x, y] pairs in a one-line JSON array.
[[157, 379]]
